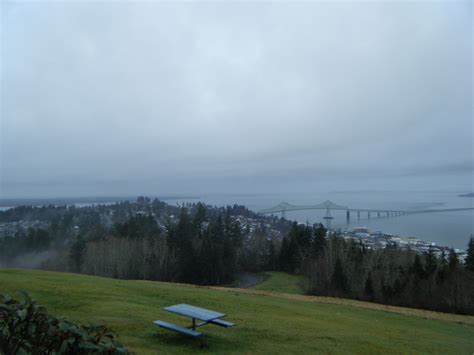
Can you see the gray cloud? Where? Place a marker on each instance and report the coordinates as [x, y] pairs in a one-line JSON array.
[[125, 97]]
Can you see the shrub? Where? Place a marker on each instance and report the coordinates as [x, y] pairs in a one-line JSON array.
[[26, 328]]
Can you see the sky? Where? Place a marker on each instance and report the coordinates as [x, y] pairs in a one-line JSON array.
[[142, 97]]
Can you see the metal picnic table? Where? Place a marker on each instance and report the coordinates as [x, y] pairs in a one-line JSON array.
[[205, 315]]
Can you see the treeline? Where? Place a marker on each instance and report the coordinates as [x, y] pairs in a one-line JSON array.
[[201, 246], [336, 267], [32, 241], [129, 239]]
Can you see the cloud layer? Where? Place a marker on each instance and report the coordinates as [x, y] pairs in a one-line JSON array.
[[154, 97]]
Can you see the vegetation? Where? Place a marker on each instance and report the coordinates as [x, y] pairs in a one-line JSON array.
[[206, 245], [267, 322], [340, 268], [145, 240], [281, 282], [470, 255], [26, 328]]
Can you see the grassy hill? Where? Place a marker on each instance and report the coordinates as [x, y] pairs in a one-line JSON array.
[[280, 282], [268, 322]]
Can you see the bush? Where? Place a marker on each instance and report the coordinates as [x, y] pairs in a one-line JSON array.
[[26, 328]]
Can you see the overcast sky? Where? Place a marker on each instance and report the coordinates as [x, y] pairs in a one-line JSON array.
[[123, 98]]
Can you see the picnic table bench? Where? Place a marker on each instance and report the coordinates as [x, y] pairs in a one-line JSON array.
[[195, 313]]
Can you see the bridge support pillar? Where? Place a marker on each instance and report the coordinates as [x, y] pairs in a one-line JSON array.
[[378, 214], [348, 216], [358, 214], [368, 215]]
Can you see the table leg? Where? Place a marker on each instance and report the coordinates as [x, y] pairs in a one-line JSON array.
[[194, 324]]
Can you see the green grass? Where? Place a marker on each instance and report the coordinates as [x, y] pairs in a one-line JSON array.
[[267, 323], [281, 282]]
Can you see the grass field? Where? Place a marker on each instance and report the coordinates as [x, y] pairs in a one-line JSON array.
[[268, 322], [280, 282]]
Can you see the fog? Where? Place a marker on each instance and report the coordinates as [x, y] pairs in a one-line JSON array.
[[118, 98]]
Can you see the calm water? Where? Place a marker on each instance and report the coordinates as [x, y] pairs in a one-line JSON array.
[[452, 229]]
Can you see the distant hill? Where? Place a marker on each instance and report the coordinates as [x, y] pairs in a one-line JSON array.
[[470, 194], [268, 322]]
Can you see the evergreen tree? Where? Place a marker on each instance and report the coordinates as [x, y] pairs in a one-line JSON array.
[[77, 253], [339, 278], [186, 263], [283, 259], [369, 287], [443, 268], [417, 268], [319, 240], [470, 255], [294, 255], [431, 262], [272, 257], [453, 261], [199, 219]]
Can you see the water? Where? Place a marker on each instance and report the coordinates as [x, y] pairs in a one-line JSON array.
[[451, 229], [92, 204]]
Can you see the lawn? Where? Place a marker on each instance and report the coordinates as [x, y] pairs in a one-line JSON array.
[[280, 282], [270, 323]]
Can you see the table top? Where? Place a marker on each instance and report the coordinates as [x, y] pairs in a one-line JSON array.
[[187, 310]]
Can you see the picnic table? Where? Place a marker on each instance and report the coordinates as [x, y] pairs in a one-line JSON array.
[[195, 313]]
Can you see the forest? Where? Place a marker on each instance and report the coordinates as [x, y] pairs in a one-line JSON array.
[[395, 276]]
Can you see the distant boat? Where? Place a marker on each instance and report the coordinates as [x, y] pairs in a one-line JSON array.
[[470, 194]]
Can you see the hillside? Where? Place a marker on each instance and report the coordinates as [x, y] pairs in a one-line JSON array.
[[275, 281], [268, 322]]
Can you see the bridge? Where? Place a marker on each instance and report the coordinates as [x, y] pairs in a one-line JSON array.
[[284, 207]]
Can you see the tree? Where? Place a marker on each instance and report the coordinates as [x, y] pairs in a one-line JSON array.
[[319, 240], [470, 255], [294, 255], [185, 252], [453, 260], [77, 253], [417, 268], [272, 257], [369, 287], [431, 262], [199, 219], [283, 257], [339, 278]]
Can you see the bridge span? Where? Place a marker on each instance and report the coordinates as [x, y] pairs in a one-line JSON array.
[[284, 207]]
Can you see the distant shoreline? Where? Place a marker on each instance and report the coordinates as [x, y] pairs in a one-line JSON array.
[[470, 194], [60, 201]]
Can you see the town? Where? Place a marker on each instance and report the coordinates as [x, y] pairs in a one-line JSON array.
[[380, 240]]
